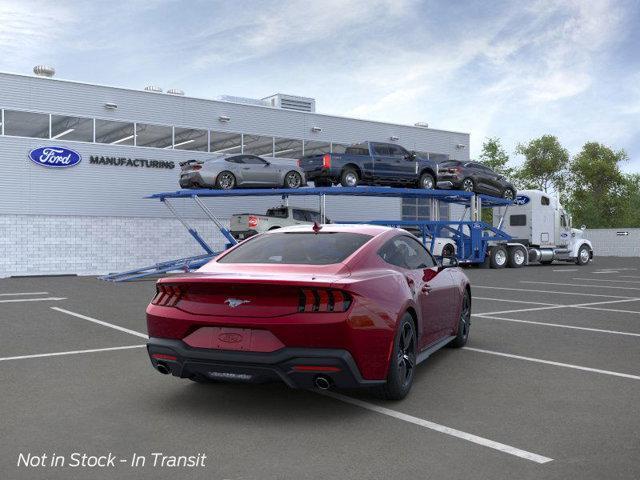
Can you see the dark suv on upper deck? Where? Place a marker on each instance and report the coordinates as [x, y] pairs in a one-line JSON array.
[[474, 177]]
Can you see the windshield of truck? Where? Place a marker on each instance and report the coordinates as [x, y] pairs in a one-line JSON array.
[[281, 212]]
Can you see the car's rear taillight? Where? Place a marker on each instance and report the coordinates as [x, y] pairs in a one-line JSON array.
[[299, 162], [323, 300], [326, 160], [253, 221], [166, 295]]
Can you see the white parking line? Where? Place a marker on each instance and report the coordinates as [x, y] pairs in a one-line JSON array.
[[566, 270], [72, 352], [485, 442], [23, 293], [557, 364], [628, 276], [559, 325], [44, 299], [514, 301], [530, 290], [577, 305], [100, 322], [578, 285], [605, 280]]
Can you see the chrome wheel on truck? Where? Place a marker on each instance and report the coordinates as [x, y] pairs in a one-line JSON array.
[[349, 178]]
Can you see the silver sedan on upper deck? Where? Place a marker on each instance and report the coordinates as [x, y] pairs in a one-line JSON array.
[[241, 170]]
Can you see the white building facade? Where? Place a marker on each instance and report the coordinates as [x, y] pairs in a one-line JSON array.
[[92, 218]]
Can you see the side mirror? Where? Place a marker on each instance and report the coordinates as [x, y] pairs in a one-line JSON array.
[[449, 262], [410, 156]]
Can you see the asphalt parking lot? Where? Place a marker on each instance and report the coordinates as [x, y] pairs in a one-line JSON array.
[[548, 387]]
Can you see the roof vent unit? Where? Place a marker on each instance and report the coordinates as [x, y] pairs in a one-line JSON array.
[[244, 100], [292, 102], [175, 91], [153, 88], [422, 124], [44, 71]]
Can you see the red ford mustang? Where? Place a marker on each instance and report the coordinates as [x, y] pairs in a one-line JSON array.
[[344, 305]]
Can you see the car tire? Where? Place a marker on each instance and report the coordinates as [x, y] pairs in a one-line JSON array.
[[402, 363], [584, 255], [468, 185], [225, 180], [349, 178], [508, 194], [292, 180], [498, 257], [448, 250], [427, 182], [517, 257], [464, 322]]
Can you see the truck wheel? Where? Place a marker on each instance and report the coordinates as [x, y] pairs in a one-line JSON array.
[[468, 185], [427, 181], [498, 257], [583, 255], [517, 257], [349, 178]]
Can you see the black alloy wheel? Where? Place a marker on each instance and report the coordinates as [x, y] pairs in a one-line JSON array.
[[464, 323], [403, 362]]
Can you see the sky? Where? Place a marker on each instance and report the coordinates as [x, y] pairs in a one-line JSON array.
[[514, 70]]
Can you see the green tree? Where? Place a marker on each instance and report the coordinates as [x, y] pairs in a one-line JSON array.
[[599, 191], [631, 201], [545, 165], [495, 157]]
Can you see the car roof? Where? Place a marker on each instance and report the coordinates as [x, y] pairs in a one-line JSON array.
[[366, 229]]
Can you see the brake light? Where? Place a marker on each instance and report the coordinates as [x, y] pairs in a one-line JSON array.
[[323, 300], [253, 221], [299, 162], [326, 160], [166, 295], [315, 368]]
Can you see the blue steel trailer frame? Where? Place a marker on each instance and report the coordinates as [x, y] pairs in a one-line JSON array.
[[471, 245]]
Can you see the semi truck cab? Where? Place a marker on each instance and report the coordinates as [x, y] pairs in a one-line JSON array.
[[538, 222]]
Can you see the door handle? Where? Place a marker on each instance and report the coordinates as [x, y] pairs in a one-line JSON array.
[[246, 168]]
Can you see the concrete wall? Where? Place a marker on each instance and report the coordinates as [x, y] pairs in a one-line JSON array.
[[610, 243]]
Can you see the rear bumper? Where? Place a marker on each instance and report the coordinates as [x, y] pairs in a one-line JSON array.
[[192, 180], [255, 367]]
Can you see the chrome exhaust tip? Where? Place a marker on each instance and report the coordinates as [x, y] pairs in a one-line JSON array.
[[323, 383], [163, 369]]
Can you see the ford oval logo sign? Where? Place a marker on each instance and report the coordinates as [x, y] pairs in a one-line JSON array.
[[521, 200], [230, 337], [56, 157]]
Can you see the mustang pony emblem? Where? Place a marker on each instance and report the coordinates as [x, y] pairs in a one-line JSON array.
[[235, 302]]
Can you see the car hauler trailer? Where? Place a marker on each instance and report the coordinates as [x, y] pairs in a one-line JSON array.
[[538, 225], [469, 238]]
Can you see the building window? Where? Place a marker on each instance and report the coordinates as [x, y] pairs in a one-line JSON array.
[[287, 148], [224, 142], [420, 209], [26, 124], [190, 139], [72, 128], [114, 133], [258, 145], [316, 148], [157, 136]]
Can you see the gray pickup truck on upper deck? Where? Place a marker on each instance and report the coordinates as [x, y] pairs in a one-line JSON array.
[[371, 163]]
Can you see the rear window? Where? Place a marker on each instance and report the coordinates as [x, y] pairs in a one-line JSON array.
[[278, 212], [297, 248], [359, 149]]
